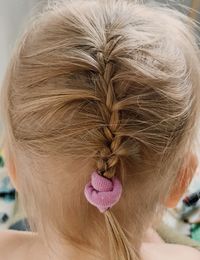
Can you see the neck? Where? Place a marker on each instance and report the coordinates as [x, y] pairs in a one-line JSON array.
[[55, 249]]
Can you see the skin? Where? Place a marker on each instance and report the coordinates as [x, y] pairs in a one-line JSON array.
[[18, 245]]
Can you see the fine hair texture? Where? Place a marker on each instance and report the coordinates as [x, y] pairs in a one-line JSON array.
[[107, 85]]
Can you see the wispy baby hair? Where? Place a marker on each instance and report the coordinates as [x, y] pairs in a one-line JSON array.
[[111, 86]]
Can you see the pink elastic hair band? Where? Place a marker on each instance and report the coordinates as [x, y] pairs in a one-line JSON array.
[[101, 192]]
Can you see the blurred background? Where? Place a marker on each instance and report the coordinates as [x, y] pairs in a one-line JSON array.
[[13, 14], [13, 17]]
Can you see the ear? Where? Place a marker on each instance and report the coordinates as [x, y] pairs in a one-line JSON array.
[[183, 180], [10, 165]]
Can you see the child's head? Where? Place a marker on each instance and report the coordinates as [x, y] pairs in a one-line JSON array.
[[107, 85]]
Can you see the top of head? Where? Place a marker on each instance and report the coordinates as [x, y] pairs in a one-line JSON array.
[[112, 83]]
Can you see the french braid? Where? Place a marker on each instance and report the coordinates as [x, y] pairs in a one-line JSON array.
[[108, 158]]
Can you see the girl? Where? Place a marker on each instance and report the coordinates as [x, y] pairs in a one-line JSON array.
[[101, 111]]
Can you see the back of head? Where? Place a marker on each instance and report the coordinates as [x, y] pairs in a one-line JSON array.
[[107, 85]]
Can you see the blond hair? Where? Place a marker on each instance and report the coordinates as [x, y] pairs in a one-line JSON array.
[[107, 85]]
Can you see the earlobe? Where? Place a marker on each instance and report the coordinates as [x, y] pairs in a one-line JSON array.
[[177, 193], [184, 178]]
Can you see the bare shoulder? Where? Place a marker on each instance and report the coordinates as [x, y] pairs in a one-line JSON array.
[[195, 253], [153, 251], [14, 244], [188, 252]]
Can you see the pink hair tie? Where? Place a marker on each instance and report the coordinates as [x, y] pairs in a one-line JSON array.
[[102, 192]]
